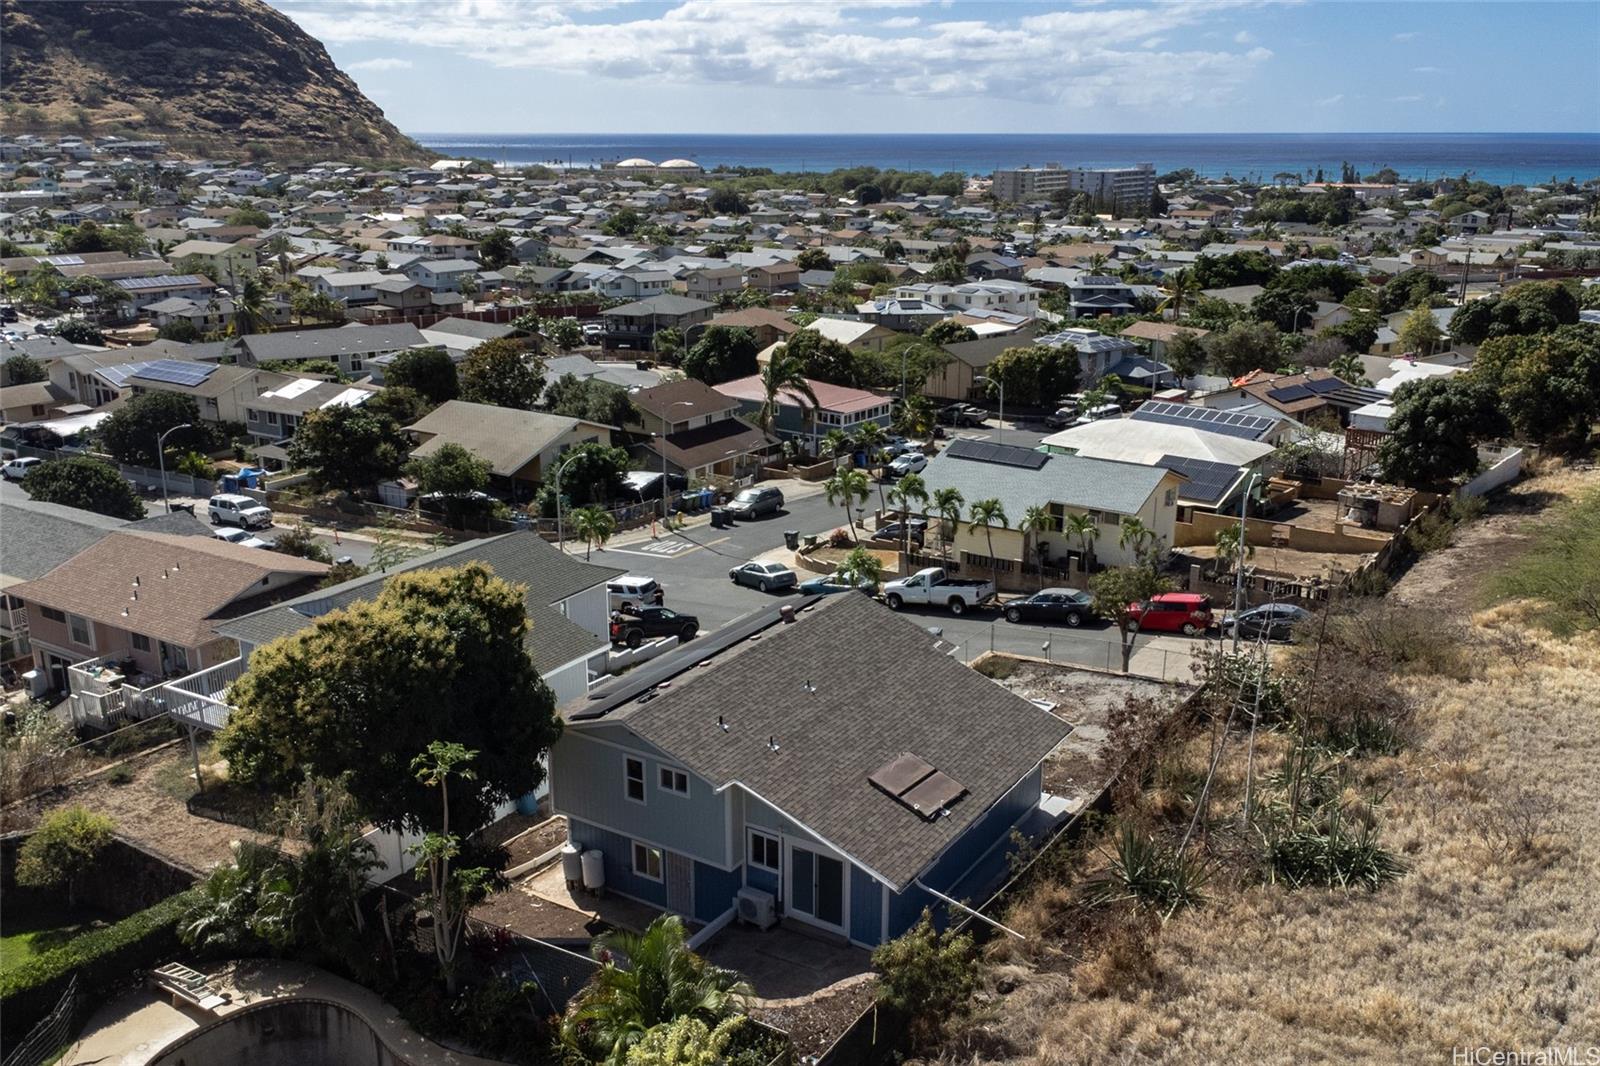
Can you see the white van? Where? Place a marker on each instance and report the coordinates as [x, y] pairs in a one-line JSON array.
[[232, 509]]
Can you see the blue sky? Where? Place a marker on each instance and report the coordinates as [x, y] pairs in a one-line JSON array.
[[832, 66]]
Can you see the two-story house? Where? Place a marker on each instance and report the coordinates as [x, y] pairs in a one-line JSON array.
[[838, 407], [350, 348], [710, 283], [696, 431], [274, 415], [634, 325], [229, 262], [442, 275], [521, 447], [739, 767]]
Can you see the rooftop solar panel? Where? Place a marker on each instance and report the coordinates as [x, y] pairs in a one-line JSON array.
[[1208, 481], [1210, 419], [1290, 394], [1325, 385], [934, 794], [1000, 454], [901, 774], [162, 281], [176, 372]]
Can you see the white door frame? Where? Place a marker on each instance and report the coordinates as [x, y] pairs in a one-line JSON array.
[[789, 846]]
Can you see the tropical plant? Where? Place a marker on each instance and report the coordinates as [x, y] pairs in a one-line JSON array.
[[1086, 528], [1150, 873], [987, 514], [1180, 285], [836, 442], [686, 1041], [1036, 520], [929, 976], [860, 566], [1116, 591], [1138, 538], [250, 308], [783, 373], [1227, 544], [451, 892], [911, 489], [947, 504], [1348, 368], [846, 488], [594, 526], [662, 981]]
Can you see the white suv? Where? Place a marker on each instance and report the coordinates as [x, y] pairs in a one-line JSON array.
[[231, 509], [17, 469], [630, 591]]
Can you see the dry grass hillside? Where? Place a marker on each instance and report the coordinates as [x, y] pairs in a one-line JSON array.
[[1490, 936]]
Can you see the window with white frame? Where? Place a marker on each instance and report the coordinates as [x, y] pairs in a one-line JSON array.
[[79, 629], [647, 861], [764, 850], [633, 772], [674, 780]]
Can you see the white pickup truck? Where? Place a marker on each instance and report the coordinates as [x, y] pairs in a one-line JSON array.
[[934, 587]]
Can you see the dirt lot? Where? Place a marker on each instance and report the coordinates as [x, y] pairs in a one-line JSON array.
[[1084, 698]]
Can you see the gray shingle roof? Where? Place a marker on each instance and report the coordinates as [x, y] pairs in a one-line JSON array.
[[35, 537], [845, 689], [523, 558], [1090, 484], [508, 439], [331, 343]]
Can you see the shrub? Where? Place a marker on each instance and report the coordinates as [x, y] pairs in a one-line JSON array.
[[1150, 873], [101, 959], [929, 976], [1331, 853], [63, 849]]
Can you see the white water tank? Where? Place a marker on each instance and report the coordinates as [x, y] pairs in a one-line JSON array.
[[572, 862], [594, 869]]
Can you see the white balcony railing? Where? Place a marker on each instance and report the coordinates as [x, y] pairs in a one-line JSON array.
[[100, 693], [199, 699]]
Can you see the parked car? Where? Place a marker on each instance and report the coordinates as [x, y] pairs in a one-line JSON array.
[[232, 509], [895, 532], [631, 591], [831, 584], [1062, 418], [17, 469], [633, 627], [242, 537], [933, 586], [764, 576], [755, 502], [896, 446], [962, 414], [1095, 414], [1070, 607], [1275, 621], [909, 463], [1188, 613]]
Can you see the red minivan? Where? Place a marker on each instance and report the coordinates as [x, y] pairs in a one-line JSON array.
[[1188, 613]]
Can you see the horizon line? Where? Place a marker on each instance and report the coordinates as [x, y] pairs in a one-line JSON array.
[[990, 133]]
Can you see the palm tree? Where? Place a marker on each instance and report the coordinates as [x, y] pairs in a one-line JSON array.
[[1350, 368], [1181, 285], [1097, 263], [783, 373], [911, 489], [662, 981], [1086, 529], [1137, 537], [848, 487], [278, 247], [836, 442], [860, 567], [872, 439], [988, 514], [250, 309], [593, 525], [948, 503], [1036, 520]]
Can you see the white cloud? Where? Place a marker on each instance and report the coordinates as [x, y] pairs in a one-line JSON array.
[[1413, 35], [1415, 99], [1329, 101], [1244, 37], [1427, 70], [381, 63], [1084, 56]]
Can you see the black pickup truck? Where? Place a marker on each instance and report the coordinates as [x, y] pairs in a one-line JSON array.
[[634, 627]]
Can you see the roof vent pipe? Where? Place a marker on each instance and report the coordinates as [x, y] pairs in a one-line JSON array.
[[786, 612]]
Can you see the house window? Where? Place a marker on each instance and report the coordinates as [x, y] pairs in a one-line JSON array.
[[674, 781], [634, 771], [647, 861], [79, 629], [1172, 497], [272, 418], [140, 641], [355, 364], [52, 614], [764, 850]]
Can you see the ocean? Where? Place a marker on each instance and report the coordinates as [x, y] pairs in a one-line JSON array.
[[1502, 158]]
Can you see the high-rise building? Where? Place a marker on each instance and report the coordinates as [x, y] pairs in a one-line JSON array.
[[1124, 190]]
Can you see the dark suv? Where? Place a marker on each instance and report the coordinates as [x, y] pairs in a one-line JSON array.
[[633, 627]]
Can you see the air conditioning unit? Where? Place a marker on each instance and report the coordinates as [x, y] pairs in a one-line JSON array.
[[757, 907]]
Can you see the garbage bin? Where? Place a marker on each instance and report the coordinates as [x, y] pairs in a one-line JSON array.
[[719, 518], [791, 539]]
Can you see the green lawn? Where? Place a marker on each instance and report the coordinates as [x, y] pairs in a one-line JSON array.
[[28, 928]]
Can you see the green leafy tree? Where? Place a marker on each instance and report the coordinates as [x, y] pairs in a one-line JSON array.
[[429, 371], [948, 331], [77, 331], [250, 216], [348, 448], [723, 353], [566, 333], [1116, 590], [63, 849], [592, 525], [1548, 384], [1288, 309], [499, 372], [1531, 307], [495, 250], [1410, 288], [590, 399], [83, 482], [1244, 347], [181, 330], [23, 369], [667, 343], [1185, 354], [662, 981], [1035, 375], [1420, 332], [929, 977], [1358, 333], [1436, 427], [824, 359], [130, 434], [452, 471], [726, 200], [594, 473], [813, 259], [985, 515], [452, 889], [846, 488], [300, 540], [367, 689]]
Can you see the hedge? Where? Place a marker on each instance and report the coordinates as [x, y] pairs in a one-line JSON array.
[[101, 958]]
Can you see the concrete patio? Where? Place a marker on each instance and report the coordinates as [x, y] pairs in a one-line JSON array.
[[789, 961], [549, 884]]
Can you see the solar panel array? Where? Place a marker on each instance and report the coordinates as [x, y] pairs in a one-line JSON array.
[[916, 784], [1208, 481], [1291, 393], [1323, 386], [981, 451], [176, 372], [1210, 419], [64, 260], [162, 281]]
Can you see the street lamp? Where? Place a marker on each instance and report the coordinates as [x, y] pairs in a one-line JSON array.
[[561, 541], [161, 461], [1000, 434]]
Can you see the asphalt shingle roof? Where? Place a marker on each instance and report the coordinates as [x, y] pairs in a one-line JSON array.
[[845, 689], [1090, 484], [523, 558], [35, 537], [508, 439], [331, 343]]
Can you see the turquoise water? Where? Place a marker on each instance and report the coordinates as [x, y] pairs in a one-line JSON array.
[[1503, 158]]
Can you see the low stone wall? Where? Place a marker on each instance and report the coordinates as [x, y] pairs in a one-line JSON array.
[[1348, 540]]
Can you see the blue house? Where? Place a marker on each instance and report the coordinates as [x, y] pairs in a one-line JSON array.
[[835, 757]]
